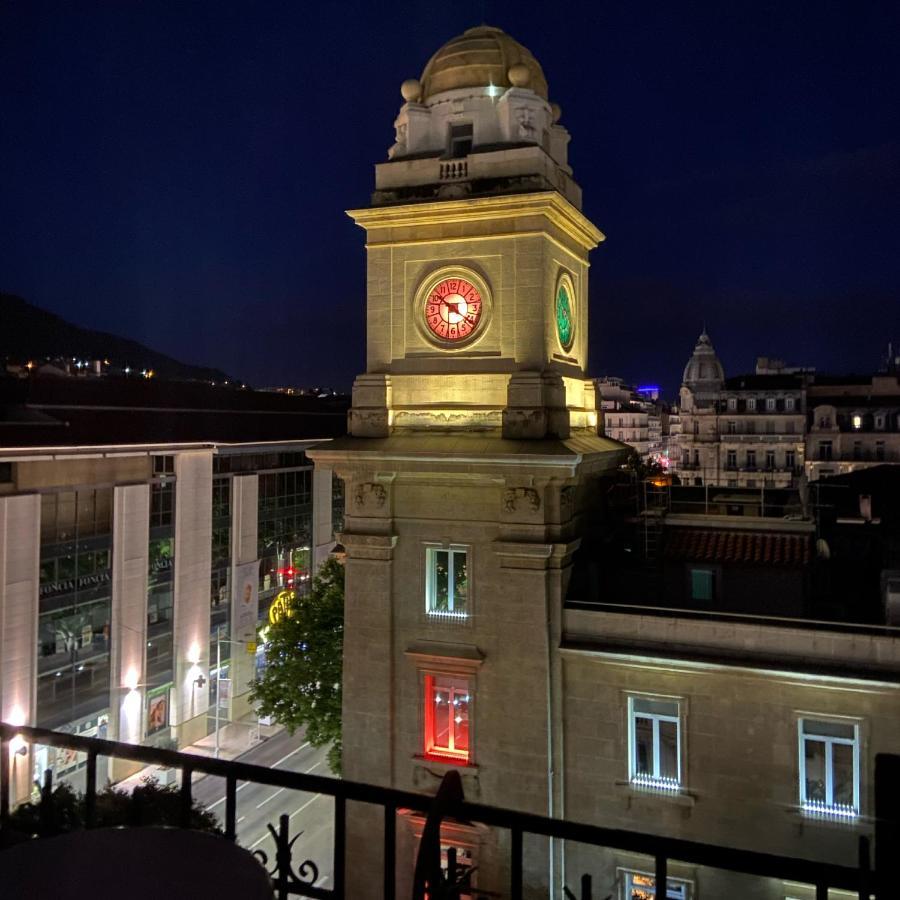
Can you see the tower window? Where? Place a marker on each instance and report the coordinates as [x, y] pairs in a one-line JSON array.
[[459, 142], [447, 581], [447, 701]]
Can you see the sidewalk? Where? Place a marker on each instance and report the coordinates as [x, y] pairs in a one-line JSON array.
[[235, 739]]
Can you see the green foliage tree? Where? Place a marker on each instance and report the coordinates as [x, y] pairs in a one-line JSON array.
[[301, 684]]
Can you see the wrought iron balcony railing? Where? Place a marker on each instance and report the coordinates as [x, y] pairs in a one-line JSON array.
[[299, 879]]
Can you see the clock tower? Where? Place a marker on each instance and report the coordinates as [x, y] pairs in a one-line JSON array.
[[473, 456]]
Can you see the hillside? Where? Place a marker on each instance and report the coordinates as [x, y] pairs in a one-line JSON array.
[[28, 332]]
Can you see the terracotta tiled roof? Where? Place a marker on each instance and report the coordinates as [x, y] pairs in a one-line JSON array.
[[748, 547]]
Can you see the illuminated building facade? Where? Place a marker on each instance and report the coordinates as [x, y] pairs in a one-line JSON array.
[[119, 568], [481, 633]]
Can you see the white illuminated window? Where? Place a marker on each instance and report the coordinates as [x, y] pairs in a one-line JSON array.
[[732, 403], [654, 737], [857, 421], [770, 404], [789, 404], [642, 886], [751, 403], [829, 767], [447, 581]]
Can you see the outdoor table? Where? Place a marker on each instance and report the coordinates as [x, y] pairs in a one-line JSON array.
[[137, 863]]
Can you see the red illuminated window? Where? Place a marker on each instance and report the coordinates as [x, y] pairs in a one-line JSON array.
[[447, 703]]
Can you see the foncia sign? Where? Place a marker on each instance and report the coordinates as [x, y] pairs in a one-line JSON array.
[[281, 606]]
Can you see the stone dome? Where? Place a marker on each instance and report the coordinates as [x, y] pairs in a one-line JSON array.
[[703, 367], [480, 57]]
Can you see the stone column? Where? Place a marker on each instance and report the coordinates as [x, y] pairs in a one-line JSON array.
[[368, 689], [128, 638], [244, 549], [193, 560], [323, 529], [20, 553]]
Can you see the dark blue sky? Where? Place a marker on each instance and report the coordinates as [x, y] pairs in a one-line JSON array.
[[177, 172]]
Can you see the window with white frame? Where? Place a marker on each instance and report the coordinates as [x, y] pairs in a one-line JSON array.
[[732, 403], [751, 403], [654, 733], [829, 767], [447, 702], [642, 886], [770, 404], [447, 581]]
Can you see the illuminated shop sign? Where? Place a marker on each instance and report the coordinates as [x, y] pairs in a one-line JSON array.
[[281, 606]]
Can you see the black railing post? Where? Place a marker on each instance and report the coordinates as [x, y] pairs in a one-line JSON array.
[[661, 874], [887, 825], [231, 807], [390, 851], [822, 890], [5, 777], [865, 868], [186, 800], [90, 790], [45, 811], [340, 844], [283, 856], [515, 865]]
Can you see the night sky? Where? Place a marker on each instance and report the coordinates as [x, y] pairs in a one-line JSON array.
[[177, 172]]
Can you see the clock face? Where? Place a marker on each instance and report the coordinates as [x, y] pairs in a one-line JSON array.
[[453, 309], [565, 319]]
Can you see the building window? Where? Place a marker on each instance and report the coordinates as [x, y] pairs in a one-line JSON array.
[[731, 459], [789, 404], [732, 404], [751, 404], [703, 584], [732, 427], [750, 427], [751, 459], [655, 737], [770, 459], [857, 450], [829, 767], [770, 404], [789, 427], [447, 701], [879, 451], [857, 421], [642, 886], [770, 426], [460, 141], [825, 450], [696, 457], [790, 459], [447, 581]]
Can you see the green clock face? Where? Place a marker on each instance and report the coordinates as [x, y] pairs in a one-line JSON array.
[[565, 319]]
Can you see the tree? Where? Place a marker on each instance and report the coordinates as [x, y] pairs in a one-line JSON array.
[[301, 683]]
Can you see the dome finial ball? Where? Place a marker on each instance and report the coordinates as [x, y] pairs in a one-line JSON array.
[[411, 90], [519, 75]]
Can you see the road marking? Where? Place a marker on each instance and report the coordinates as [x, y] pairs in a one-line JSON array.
[[241, 819], [244, 784], [311, 800], [282, 790], [271, 797]]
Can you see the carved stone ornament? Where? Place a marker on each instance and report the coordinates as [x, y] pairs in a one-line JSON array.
[[567, 499], [528, 497], [369, 494]]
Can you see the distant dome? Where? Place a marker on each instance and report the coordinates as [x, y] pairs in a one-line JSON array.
[[480, 57], [704, 366]]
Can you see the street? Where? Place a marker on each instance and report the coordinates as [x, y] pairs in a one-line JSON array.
[[259, 805]]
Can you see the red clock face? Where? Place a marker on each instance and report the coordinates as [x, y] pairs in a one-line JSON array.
[[453, 309]]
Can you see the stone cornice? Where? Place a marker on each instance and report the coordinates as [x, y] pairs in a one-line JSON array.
[[549, 204]]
